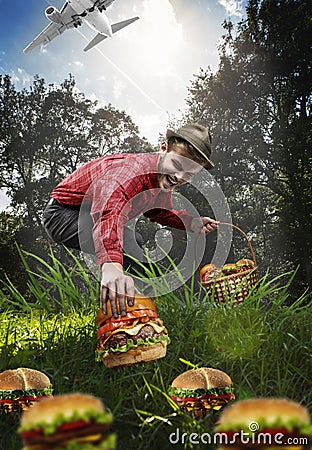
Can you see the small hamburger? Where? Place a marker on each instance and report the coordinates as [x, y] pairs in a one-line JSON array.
[[202, 391], [208, 272], [264, 423], [140, 336], [245, 264], [229, 269], [71, 421], [21, 388]]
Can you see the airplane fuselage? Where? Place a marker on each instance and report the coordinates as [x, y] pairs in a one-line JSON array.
[[96, 20]]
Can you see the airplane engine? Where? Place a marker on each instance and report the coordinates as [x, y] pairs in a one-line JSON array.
[[53, 14]]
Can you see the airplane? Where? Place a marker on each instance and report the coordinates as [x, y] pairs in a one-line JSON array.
[[72, 15]]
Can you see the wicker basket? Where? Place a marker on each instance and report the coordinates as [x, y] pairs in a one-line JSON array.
[[233, 289]]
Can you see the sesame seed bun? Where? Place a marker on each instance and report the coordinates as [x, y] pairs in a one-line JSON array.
[[48, 409], [203, 378], [23, 379], [140, 354]]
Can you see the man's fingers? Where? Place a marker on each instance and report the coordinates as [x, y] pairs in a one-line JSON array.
[[120, 290], [122, 299], [113, 299], [104, 298], [130, 289]]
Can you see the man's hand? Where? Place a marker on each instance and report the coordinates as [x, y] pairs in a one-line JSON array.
[[117, 287], [204, 225]]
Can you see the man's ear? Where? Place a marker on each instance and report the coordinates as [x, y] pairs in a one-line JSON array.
[[164, 146]]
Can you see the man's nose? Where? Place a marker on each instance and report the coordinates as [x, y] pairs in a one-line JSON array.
[[179, 176]]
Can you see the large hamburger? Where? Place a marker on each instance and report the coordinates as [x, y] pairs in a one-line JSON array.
[[267, 423], [202, 391], [70, 421], [139, 336], [21, 388]]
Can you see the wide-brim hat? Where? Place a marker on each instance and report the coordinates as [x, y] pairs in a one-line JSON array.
[[196, 135]]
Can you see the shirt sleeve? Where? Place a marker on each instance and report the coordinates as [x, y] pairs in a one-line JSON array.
[[110, 211], [166, 215]]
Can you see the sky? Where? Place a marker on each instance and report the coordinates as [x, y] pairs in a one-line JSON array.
[[144, 69]]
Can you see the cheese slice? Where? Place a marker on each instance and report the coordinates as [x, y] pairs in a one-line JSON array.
[[134, 330]]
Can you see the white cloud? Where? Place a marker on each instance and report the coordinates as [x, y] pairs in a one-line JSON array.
[[232, 7], [20, 78], [119, 88], [77, 64]]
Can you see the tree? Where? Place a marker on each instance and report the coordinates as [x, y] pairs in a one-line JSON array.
[[258, 104]]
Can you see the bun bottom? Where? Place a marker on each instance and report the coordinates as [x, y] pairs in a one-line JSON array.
[[143, 353], [16, 407], [199, 408]]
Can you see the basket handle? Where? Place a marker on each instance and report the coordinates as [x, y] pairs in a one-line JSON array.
[[242, 232]]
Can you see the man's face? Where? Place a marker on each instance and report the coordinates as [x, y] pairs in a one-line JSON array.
[[175, 168]]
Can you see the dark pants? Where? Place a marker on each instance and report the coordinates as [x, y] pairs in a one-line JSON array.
[[72, 227]]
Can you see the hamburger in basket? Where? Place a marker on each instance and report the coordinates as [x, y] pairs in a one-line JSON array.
[[70, 421], [202, 391], [264, 423], [21, 388], [138, 337]]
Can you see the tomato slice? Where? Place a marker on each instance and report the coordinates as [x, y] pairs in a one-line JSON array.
[[73, 425], [208, 396], [29, 435], [21, 399], [123, 321]]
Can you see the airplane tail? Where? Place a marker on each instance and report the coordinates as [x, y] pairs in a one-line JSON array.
[[115, 27]]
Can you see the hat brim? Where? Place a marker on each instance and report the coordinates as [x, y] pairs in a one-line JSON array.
[[171, 133]]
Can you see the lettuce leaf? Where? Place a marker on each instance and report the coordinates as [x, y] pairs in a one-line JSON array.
[[197, 393], [18, 393], [131, 344]]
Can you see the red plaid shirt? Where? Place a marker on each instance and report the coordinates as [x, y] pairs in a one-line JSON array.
[[118, 188]]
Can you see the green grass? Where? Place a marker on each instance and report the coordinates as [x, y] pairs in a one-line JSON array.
[[265, 349]]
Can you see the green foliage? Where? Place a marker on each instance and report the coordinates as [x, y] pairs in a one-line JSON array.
[[258, 107], [53, 286], [264, 345]]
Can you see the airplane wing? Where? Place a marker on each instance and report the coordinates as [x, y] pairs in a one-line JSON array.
[[115, 27], [54, 29]]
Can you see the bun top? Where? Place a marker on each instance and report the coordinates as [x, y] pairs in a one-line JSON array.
[[207, 268], [203, 378], [252, 410], [23, 379], [47, 409], [140, 302], [245, 263], [229, 266]]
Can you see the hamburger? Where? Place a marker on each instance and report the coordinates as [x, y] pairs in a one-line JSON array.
[[266, 423], [71, 421], [202, 391], [138, 337], [229, 269], [208, 272], [21, 388], [245, 264]]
